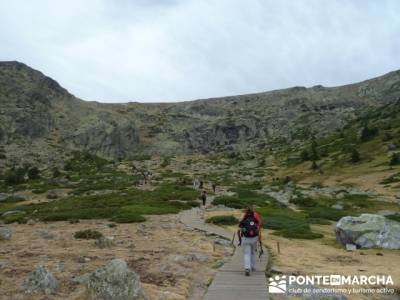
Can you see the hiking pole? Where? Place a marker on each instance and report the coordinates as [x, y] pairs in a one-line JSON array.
[[233, 239], [261, 251]]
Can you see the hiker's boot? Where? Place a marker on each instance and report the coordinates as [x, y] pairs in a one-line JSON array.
[[247, 272]]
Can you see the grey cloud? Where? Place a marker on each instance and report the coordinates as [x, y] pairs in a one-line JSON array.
[[118, 51]]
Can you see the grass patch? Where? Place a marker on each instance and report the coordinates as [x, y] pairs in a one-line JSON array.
[[288, 223], [123, 205], [88, 234], [127, 217], [223, 220], [391, 179], [394, 217]]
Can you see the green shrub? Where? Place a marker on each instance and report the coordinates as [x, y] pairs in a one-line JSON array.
[[88, 234], [17, 217], [355, 155], [33, 173], [391, 179], [395, 159], [13, 199], [368, 133], [229, 201], [128, 217], [166, 162], [56, 173], [303, 202], [318, 221], [141, 157], [305, 155], [299, 233], [394, 217], [326, 213], [223, 220], [287, 223], [15, 177]]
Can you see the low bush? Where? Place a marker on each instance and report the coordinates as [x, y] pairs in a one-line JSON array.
[[394, 217], [287, 223], [128, 217], [326, 213], [88, 234], [223, 220], [391, 179]]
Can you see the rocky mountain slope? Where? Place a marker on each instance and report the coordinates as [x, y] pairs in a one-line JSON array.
[[41, 121]]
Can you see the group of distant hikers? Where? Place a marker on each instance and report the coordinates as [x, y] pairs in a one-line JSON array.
[[199, 185], [249, 232]]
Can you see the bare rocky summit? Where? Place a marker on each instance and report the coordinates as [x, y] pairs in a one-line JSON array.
[[40, 121]]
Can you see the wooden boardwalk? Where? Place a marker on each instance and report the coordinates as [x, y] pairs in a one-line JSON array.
[[230, 281]]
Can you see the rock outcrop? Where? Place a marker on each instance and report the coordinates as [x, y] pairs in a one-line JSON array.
[[368, 231], [38, 115], [115, 281], [5, 233], [41, 280]]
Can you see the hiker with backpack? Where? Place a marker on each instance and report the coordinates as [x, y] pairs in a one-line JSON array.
[[249, 234], [204, 197]]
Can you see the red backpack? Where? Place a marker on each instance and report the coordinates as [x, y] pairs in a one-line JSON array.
[[249, 226]]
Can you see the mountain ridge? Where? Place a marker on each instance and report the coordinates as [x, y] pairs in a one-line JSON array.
[[42, 121]]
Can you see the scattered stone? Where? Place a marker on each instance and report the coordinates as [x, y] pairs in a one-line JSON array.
[[47, 235], [84, 279], [340, 195], [5, 233], [3, 264], [275, 270], [3, 196], [42, 280], [368, 231], [337, 206], [351, 247], [60, 267], [104, 242], [167, 295], [223, 242], [218, 264], [83, 259], [282, 196], [31, 222], [53, 194], [115, 281], [12, 212]]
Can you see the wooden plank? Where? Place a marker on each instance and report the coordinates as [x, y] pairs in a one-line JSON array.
[[230, 282]]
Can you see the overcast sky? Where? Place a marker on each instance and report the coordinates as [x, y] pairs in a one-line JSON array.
[[173, 50]]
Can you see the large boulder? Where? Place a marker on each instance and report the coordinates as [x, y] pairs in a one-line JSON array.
[[115, 281], [41, 280], [368, 231], [5, 233]]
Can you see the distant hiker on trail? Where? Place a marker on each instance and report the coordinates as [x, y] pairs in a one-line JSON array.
[[201, 184], [249, 234], [214, 187], [204, 197]]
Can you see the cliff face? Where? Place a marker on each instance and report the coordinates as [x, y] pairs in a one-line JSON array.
[[41, 120]]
